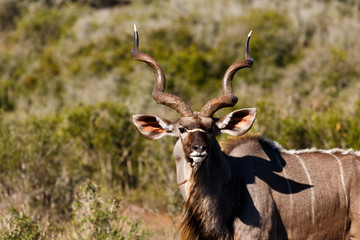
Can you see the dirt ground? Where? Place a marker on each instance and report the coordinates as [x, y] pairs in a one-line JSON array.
[[158, 225]]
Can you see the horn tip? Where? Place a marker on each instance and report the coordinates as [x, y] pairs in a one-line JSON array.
[[135, 29], [249, 35]]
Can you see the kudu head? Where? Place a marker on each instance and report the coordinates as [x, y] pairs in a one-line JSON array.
[[196, 130]]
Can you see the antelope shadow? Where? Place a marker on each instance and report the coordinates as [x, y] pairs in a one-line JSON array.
[[248, 168]]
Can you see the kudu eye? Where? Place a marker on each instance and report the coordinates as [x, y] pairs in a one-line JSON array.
[[209, 131], [182, 129]]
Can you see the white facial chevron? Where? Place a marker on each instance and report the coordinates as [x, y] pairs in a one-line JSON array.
[[196, 130]]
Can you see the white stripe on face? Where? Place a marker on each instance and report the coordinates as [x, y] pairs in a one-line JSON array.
[[196, 130]]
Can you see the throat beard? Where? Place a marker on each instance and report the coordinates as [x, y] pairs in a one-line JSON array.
[[195, 166], [202, 217]]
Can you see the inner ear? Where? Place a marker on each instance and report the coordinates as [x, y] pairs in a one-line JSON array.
[[150, 124], [238, 122], [152, 127]]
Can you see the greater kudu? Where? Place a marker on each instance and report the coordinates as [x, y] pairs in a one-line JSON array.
[[251, 188]]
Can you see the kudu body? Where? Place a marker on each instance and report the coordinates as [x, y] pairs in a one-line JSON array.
[[251, 188]]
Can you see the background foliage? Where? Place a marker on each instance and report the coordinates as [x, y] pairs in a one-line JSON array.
[[68, 88]]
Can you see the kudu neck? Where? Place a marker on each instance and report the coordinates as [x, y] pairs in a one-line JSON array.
[[217, 168], [206, 210], [214, 172]]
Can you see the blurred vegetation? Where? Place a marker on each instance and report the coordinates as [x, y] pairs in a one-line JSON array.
[[92, 218], [68, 88]]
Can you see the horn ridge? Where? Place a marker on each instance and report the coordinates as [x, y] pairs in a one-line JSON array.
[[159, 94], [228, 99]]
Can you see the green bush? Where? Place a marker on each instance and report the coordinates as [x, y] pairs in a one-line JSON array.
[[10, 11], [7, 95], [47, 157], [339, 71], [102, 3], [94, 218], [101, 56], [102, 136], [330, 129], [18, 225], [272, 43], [43, 26]]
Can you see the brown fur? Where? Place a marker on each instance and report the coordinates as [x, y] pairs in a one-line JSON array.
[[254, 189], [218, 209], [231, 143], [206, 216]]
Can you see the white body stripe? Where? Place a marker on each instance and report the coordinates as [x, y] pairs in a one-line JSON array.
[[342, 182], [290, 194], [341, 177], [312, 189]]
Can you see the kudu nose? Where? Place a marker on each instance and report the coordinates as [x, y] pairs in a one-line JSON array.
[[198, 148]]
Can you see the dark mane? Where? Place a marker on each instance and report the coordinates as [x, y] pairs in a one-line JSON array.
[[192, 224], [208, 217]]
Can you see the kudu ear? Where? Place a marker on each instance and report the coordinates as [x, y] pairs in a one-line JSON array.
[[153, 127], [237, 122]]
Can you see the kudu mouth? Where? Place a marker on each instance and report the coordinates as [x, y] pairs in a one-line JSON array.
[[197, 158]]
